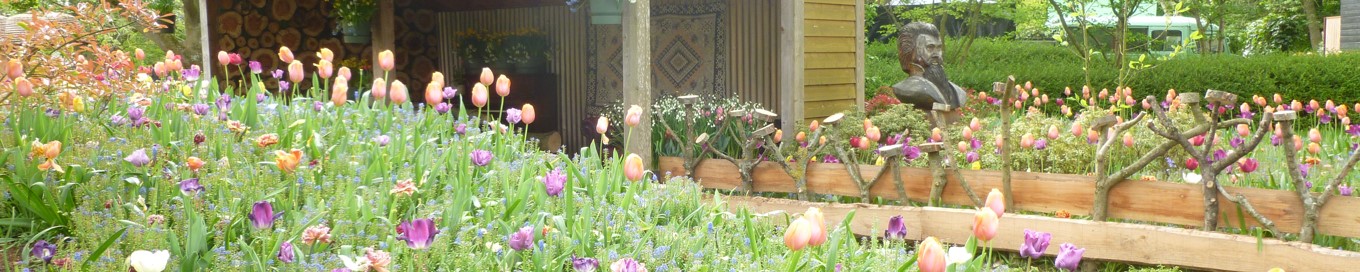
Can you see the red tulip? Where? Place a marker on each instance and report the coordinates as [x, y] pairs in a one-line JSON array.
[[1191, 164], [1248, 165]]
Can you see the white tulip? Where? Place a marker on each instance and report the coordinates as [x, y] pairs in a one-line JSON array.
[[959, 255], [1192, 178], [148, 261]]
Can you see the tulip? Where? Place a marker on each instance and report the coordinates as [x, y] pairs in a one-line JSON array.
[[936, 135], [288, 161], [44, 250], [434, 94], [930, 256], [814, 126], [1077, 129], [385, 60], [528, 114], [326, 54], [584, 264], [1027, 141], [325, 69], [632, 119], [295, 72], [487, 77], [963, 147], [602, 125], [190, 186], [632, 167], [997, 202], [1314, 148], [343, 72], [864, 142], [1036, 242], [1128, 139], [262, 215], [481, 157], [818, 222], [627, 265], [148, 261], [513, 116], [286, 252], [967, 133], [223, 58], [1248, 165], [14, 68], [397, 92], [985, 224], [379, 88], [897, 230], [554, 182], [138, 158], [503, 86], [1069, 257], [798, 234], [479, 95], [316, 234], [523, 239], [418, 234], [800, 137], [23, 86], [340, 91], [1314, 135], [778, 135]]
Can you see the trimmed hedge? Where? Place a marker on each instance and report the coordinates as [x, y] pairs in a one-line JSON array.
[[1052, 67]]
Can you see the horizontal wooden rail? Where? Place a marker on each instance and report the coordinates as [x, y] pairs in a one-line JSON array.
[[1121, 242], [1148, 201]]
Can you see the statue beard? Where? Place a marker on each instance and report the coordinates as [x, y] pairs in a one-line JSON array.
[[935, 74]]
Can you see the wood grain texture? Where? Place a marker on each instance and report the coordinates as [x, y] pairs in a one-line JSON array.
[[1122, 242], [1143, 201]]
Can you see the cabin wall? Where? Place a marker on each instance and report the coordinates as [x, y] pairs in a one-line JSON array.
[[833, 60], [1350, 25]]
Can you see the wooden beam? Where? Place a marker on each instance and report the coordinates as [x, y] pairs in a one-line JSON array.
[[205, 40], [384, 38], [1122, 242], [637, 73], [1148, 201], [790, 64], [859, 53]]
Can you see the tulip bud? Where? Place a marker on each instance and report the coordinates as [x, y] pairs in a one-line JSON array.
[[479, 95], [398, 92], [936, 135], [295, 72], [528, 114], [339, 91], [975, 124], [1053, 132], [1128, 139], [285, 54], [379, 91], [223, 58], [23, 86], [632, 167], [385, 60], [602, 125]]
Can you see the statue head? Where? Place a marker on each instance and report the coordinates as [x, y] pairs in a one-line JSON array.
[[919, 45]]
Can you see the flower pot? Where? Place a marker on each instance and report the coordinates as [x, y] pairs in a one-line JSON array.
[[356, 32], [169, 22], [606, 12]]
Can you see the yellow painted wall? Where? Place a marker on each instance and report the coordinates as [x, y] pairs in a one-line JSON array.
[[833, 60]]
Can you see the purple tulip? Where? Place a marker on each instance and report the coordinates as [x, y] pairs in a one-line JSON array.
[[830, 159], [1220, 155], [512, 115], [190, 186], [44, 250], [554, 182], [1249, 165], [1040, 144], [136, 113], [259, 98], [192, 74], [911, 152], [1303, 170], [523, 239], [262, 215], [284, 85], [1036, 242], [627, 265], [897, 230], [201, 109], [584, 264], [286, 251], [443, 108], [1069, 257], [1345, 190], [975, 143], [461, 129], [1354, 130], [318, 106], [481, 157], [972, 156], [1237, 142], [450, 92], [255, 67], [138, 158], [418, 234], [277, 73], [1325, 119], [382, 140]]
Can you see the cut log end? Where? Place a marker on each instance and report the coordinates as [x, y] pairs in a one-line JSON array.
[[932, 147], [1190, 98], [689, 99], [1220, 97], [1288, 115]]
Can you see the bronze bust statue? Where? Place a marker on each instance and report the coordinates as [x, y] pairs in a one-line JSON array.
[[920, 51]]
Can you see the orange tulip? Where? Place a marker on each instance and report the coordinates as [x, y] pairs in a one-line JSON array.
[[812, 126], [632, 167], [14, 68], [50, 165], [325, 69], [963, 147], [930, 256], [528, 114], [437, 78], [326, 54], [997, 202], [288, 161], [801, 137], [398, 92], [433, 94], [936, 135], [295, 72], [1243, 130], [379, 89], [985, 224], [195, 163], [343, 72], [868, 123], [818, 222], [267, 140], [1314, 148], [487, 78], [49, 151], [479, 95], [797, 236], [340, 91], [385, 60], [285, 54], [503, 86], [778, 135], [23, 86]]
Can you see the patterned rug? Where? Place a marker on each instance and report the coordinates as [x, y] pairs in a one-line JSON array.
[[689, 49]]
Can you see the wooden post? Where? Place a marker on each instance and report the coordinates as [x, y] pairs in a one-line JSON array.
[[637, 76], [206, 42], [384, 22], [791, 63]]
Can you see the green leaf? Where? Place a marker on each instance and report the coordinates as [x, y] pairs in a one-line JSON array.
[[99, 251]]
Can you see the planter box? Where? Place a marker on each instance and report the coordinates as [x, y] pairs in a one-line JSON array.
[[1147, 201]]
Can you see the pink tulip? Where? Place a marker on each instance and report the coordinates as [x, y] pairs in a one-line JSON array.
[[141, 55], [1085, 91], [602, 125], [326, 55], [379, 89], [1314, 135], [339, 91], [634, 116], [812, 127], [632, 167], [1076, 129], [433, 94], [1128, 139], [1027, 141], [398, 92], [798, 234], [864, 142], [1243, 130], [1198, 140], [818, 222], [975, 124], [325, 69], [343, 72], [1067, 91], [479, 95], [930, 256], [295, 72], [985, 224], [23, 86], [998, 141], [967, 133], [385, 60], [285, 54], [487, 77], [963, 147], [874, 134], [1053, 132], [527, 114], [1314, 148], [503, 86], [1092, 135], [1192, 164], [997, 202], [1298, 142], [223, 58], [1278, 99], [936, 135]]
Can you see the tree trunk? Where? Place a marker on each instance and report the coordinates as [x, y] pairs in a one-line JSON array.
[[1314, 28], [1210, 199], [939, 180], [1101, 210]]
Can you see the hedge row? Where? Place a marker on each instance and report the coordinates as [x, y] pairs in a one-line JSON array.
[[1052, 67]]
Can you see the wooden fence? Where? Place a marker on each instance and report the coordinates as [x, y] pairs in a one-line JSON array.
[[1122, 242], [1147, 201]]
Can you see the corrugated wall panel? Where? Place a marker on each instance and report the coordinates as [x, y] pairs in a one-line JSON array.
[[753, 57]]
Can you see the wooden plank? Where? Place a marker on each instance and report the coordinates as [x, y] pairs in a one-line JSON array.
[[829, 92], [859, 52], [825, 28], [791, 81], [837, 2], [830, 44], [830, 76], [830, 60], [826, 108], [1147, 201], [637, 75], [835, 12], [1122, 242]]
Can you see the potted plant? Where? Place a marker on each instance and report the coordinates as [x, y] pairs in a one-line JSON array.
[[528, 49], [166, 9], [355, 19], [471, 49]]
